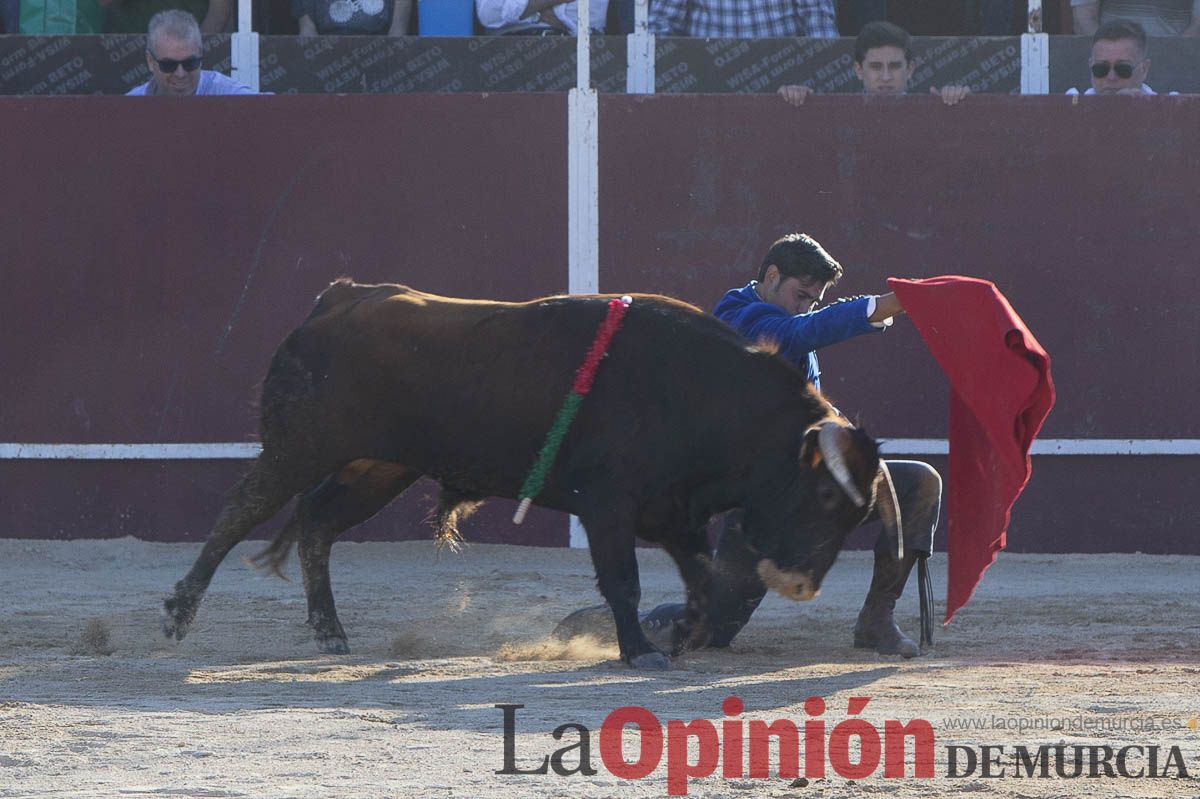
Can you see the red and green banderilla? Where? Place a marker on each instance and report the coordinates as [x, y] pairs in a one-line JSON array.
[[585, 375]]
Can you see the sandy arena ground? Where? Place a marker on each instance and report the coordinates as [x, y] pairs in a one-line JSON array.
[[94, 702]]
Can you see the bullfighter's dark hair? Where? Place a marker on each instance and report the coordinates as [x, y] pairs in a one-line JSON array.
[[799, 255], [882, 34], [1117, 29]]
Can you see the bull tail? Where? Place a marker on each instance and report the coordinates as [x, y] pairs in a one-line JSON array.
[[271, 558], [455, 505]]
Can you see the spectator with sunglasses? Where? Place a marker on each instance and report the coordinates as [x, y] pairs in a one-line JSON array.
[[1119, 60], [173, 52]]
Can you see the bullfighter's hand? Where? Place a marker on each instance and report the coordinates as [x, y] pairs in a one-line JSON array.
[[886, 306]]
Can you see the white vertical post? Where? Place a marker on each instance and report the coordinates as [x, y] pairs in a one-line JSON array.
[[583, 45], [639, 52], [1035, 63], [583, 210], [244, 48], [583, 206], [1035, 22]]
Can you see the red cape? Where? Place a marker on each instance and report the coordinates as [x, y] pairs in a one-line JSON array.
[[1000, 394]]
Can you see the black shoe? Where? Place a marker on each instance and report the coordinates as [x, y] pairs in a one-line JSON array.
[[659, 625], [597, 622], [876, 629]]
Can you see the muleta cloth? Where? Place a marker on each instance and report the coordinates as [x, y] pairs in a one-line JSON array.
[[1000, 394]]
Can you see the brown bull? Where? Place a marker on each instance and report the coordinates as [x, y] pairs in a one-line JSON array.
[[383, 384]]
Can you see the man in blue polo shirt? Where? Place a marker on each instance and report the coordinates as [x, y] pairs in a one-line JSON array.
[[779, 307], [173, 52]]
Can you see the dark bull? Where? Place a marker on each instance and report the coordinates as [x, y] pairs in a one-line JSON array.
[[383, 384]]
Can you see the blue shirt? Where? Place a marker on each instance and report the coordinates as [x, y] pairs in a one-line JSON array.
[[210, 83], [798, 337]]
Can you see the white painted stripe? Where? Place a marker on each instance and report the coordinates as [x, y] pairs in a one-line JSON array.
[[890, 446], [130, 452], [1117, 446], [1057, 446]]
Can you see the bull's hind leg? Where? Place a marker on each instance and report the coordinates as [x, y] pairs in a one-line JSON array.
[[257, 497], [322, 515]]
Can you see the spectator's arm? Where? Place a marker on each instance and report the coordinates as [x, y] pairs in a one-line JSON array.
[[498, 13], [401, 13], [819, 18], [668, 18], [307, 26], [1085, 18], [217, 17], [1193, 28]]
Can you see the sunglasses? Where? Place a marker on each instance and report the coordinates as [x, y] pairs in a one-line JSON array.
[[1123, 69], [169, 65]]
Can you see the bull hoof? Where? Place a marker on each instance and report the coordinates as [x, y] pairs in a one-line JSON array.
[[651, 661], [333, 646], [176, 620]]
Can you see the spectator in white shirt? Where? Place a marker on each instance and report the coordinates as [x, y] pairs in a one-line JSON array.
[[538, 17]]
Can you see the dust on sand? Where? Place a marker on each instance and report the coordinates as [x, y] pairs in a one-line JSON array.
[[94, 702]]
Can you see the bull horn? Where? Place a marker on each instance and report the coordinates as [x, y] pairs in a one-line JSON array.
[[889, 508], [829, 441]]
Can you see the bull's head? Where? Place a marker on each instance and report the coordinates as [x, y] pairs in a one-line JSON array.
[[799, 528]]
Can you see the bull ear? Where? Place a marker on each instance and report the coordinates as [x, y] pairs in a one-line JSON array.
[[810, 448]]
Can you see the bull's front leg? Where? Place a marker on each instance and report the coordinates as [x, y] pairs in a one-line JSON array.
[[254, 499], [611, 542]]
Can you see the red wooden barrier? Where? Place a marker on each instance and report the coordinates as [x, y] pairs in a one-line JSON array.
[[156, 252]]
